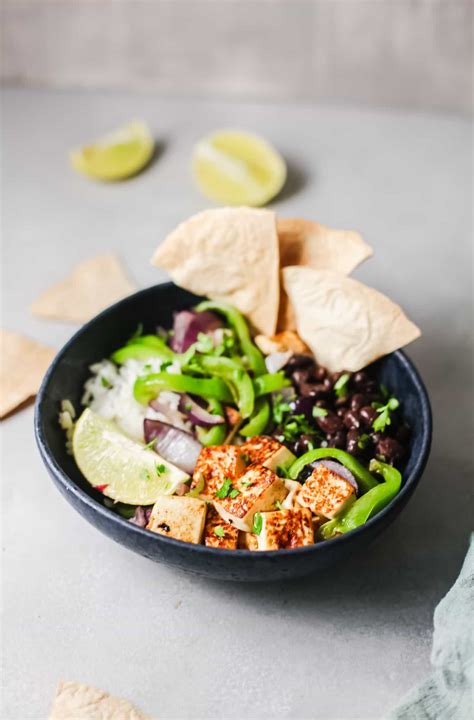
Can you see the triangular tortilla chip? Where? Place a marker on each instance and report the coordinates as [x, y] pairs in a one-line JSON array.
[[304, 242], [228, 254], [93, 285], [23, 363], [346, 324], [75, 701]]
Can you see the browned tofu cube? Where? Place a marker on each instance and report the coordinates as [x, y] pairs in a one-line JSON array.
[[256, 490], [218, 533], [267, 451], [325, 492], [247, 541], [214, 465], [286, 529], [290, 502], [181, 518]]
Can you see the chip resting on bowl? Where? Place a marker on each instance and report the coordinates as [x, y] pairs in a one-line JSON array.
[[76, 701], [231, 255], [346, 324], [93, 285], [304, 242], [22, 367]]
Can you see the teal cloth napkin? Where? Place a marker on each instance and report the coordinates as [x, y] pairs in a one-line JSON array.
[[448, 693]]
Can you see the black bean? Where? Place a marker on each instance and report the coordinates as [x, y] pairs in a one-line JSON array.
[[320, 373], [390, 449], [357, 401], [303, 444], [338, 440], [351, 442], [351, 419], [301, 375], [303, 405], [298, 361], [360, 379], [340, 412], [367, 414], [330, 424]]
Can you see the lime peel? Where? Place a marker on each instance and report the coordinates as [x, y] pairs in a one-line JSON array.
[[121, 468]]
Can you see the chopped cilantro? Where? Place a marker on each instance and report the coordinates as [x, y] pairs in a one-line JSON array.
[[257, 523], [105, 383], [224, 489], [363, 441], [296, 425], [278, 505], [233, 493], [319, 412], [219, 531], [384, 419], [247, 483], [160, 469], [340, 386], [280, 408]]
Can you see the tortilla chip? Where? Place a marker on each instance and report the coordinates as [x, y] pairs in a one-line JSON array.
[[23, 365], [75, 701], [231, 255], [281, 342], [346, 324], [93, 285], [303, 242]]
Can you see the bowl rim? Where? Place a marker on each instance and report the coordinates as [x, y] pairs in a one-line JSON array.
[[63, 479]]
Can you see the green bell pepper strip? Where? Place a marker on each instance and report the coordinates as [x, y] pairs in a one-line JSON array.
[[137, 351], [238, 324], [365, 480], [259, 419], [214, 435], [368, 505], [147, 387], [238, 380], [270, 382]]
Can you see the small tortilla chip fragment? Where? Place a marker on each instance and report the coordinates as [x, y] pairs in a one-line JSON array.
[[230, 255], [281, 342], [346, 324], [93, 285], [308, 243], [75, 701], [23, 363]]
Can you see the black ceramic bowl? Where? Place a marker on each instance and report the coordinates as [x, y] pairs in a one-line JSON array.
[[155, 306]]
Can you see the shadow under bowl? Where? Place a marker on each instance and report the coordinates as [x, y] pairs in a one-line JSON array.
[[155, 306]]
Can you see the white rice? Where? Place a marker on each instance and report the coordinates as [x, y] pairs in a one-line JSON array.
[[109, 393]]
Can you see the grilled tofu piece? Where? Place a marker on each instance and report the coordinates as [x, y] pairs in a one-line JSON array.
[[214, 465], [325, 492], [286, 529], [290, 502], [247, 541], [218, 533], [256, 490], [181, 518], [268, 452]]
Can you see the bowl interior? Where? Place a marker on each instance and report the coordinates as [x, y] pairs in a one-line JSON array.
[[154, 307]]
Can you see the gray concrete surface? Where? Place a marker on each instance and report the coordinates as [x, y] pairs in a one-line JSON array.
[[395, 53], [347, 644]]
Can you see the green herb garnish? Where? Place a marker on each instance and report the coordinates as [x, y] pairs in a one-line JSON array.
[[296, 425], [204, 343], [278, 505], [280, 408], [319, 412], [219, 531], [224, 489], [257, 523], [105, 383], [384, 419], [233, 493], [340, 386], [363, 441], [160, 469]]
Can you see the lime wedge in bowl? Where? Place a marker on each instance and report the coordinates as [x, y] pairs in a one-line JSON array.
[[233, 167], [119, 467], [117, 156]]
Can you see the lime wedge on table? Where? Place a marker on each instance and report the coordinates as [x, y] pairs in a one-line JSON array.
[[117, 156], [238, 168], [122, 469]]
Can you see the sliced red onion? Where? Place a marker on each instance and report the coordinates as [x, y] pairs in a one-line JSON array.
[[277, 360], [339, 469], [187, 326], [171, 414], [174, 445], [139, 517], [196, 413]]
